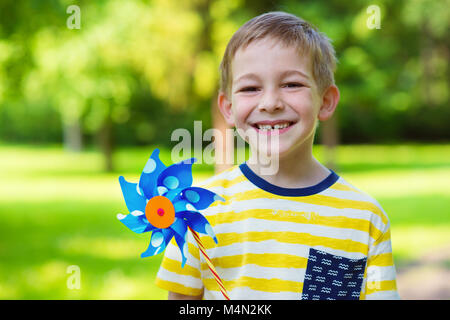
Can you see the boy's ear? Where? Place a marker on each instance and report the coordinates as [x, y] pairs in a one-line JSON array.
[[330, 101], [225, 108]]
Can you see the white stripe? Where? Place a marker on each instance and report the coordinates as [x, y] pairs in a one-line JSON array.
[[245, 293], [187, 281], [363, 194], [228, 174], [348, 195], [299, 207], [382, 247], [275, 247], [258, 272], [243, 186], [383, 295], [377, 273], [174, 253], [348, 184], [239, 187], [263, 247], [259, 225]]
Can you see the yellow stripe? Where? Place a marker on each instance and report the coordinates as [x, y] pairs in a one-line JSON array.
[[316, 199], [343, 187], [226, 239], [266, 285], [298, 217], [216, 277], [178, 288], [381, 260], [175, 266], [193, 250], [376, 286], [209, 262], [269, 260], [385, 237], [225, 183]]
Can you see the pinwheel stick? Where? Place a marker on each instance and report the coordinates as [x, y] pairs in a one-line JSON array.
[[210, 265]]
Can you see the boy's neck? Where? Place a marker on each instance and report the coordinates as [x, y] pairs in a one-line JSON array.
[[295, 170]]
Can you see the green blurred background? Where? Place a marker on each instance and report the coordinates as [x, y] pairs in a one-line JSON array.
[[79, 107]]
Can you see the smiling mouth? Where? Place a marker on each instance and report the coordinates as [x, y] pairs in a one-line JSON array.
[[272, 127]]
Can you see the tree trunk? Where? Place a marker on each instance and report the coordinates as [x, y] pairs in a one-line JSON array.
[[329, 139], [105, 138], [72, 138]]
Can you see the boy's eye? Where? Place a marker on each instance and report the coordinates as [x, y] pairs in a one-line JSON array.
[[293, 85], [286, 85], [249, 89]]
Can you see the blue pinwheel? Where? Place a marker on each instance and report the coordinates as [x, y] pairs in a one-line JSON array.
[[165, 202]]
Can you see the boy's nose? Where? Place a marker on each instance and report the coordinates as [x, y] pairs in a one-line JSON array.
[[270, 102]]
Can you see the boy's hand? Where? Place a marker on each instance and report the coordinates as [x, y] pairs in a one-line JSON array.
[[178, 296]]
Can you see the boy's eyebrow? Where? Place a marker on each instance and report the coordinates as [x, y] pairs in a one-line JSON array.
[[282, 75], [289, 72], [247, 75]]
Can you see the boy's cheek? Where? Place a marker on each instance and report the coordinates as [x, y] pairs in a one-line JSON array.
[[239, 114], [244, 105]]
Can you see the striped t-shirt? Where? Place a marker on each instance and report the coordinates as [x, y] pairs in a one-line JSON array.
[[328, 241]]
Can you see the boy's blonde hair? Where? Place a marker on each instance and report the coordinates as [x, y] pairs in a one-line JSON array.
[[292, 31]]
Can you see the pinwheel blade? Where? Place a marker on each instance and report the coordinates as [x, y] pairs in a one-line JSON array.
[[136, 222], [198, 223], [149, 176], [176, 176], [182, 244], [182, 205], [133, 199], [158, 242], [172, 194], [179, 226], [200, 198], [180, 229]]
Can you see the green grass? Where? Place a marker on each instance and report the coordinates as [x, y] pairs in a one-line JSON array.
[[58, 209]]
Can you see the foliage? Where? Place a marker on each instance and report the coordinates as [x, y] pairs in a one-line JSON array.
[[141, 69]]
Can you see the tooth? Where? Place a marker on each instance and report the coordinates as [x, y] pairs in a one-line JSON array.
[[274, 127], [281, 126]]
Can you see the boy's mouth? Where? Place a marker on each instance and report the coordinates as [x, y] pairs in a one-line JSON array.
[[272, 127]]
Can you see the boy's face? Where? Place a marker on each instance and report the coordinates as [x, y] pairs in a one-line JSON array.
[[273, 93]]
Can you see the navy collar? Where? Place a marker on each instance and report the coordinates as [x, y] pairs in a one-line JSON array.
[[289, 192]]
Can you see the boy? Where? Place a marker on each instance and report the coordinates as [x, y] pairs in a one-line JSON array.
[[300, 232]]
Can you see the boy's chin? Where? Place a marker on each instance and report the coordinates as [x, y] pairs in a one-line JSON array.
[[271, 152]]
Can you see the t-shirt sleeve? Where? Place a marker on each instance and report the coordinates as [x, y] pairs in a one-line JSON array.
[[172, 277], [380, 281]]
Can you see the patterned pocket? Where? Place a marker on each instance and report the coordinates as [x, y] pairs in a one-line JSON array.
[[330, 277]]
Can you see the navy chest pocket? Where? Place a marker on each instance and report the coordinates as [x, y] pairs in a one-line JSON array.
[[330, 277]]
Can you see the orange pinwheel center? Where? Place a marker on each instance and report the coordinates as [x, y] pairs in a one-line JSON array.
[[160, 212]]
